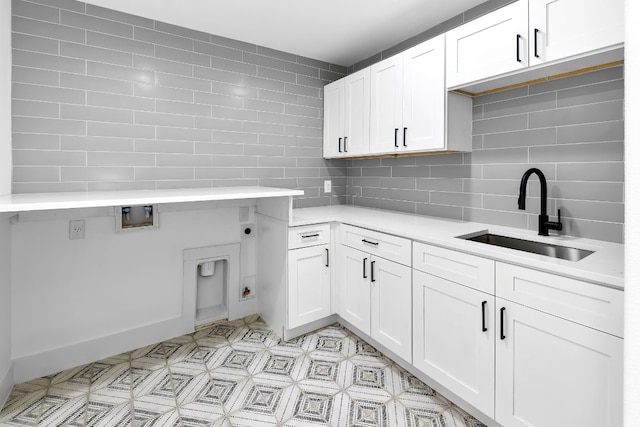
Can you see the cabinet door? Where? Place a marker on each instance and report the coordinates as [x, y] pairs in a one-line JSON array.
[[386, 106], [562, 28], [391, 306], [357, 87], [309, 286], [354, 272], [423, 118], [333, 134], [453, 338], [491, 45], [555, 373]]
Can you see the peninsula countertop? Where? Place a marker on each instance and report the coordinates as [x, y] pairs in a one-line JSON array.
[[14, 203]]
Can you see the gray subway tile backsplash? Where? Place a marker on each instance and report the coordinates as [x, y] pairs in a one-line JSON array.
[[181, 31], [572, 129], [46, 29], [119, 101], [592, 132], [34, 43], [119, 43], [217, 50], [35, 76], [88, 22], [47, 62], [114, 15], [97, 84], [106, 100], [96, 143], [183, 56], [35, 109]]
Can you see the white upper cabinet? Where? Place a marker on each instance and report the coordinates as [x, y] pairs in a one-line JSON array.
[[491, 45], [386, 105], [356, 113], [346, 115], [510, 45], [399, 105], [562, 28], [424, 97], [333, 118], [408, 100]]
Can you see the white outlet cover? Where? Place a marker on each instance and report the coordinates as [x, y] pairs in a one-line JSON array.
[[76, 229], [244, 213], [327, 186]]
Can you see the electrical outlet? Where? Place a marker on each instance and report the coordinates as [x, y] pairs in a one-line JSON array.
[[327, 186], [76, 229], [244, 213]]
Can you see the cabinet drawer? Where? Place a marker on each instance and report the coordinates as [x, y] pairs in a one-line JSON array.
[[469, 270], [591, 305], [383, 245], [309, 235]]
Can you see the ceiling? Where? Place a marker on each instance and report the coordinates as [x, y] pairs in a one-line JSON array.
[[336, 31]]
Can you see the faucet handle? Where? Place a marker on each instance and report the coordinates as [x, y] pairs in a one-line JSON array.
[[558, 224]]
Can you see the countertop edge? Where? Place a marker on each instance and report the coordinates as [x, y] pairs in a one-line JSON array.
[[27, 202], [609, 254]]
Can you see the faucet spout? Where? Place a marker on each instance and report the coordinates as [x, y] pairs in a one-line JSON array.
[[544, 225]]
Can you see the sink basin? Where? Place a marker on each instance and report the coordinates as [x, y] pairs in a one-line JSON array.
[[547, 249]]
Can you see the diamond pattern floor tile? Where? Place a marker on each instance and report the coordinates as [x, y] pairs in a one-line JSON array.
[[236, 374]]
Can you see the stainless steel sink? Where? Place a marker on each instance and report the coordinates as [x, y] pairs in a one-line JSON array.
[[547, 249]]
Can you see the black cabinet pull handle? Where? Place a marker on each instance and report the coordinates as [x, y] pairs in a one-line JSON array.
[[339, 145], [395, 138], [371, 243], [535, 42], [364, 268], [484, 325], [502, 335], [518, 37], [308, 236], [327, 264], [345, 144], [404, 137], [372, 279]]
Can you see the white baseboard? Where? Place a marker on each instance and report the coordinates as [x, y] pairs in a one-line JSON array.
[[48, 362], [6, 384], [309, 327]]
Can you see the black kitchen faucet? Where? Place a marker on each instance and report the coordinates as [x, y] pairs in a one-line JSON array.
[[544, 225]]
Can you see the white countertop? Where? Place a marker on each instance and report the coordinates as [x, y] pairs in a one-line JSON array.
[[47, 201], [604, 267]]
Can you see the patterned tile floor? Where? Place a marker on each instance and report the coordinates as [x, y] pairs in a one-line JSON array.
[[236, 374]]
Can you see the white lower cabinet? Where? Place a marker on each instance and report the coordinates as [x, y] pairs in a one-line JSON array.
[[309, 285], [542, 352], [391, 306], [355, 288], [552, 372], [453, 330], [309, 275], [375, 294]]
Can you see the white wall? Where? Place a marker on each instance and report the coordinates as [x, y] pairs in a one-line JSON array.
[[69, 292], [632, 214], [6, 375], [5, 97]]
